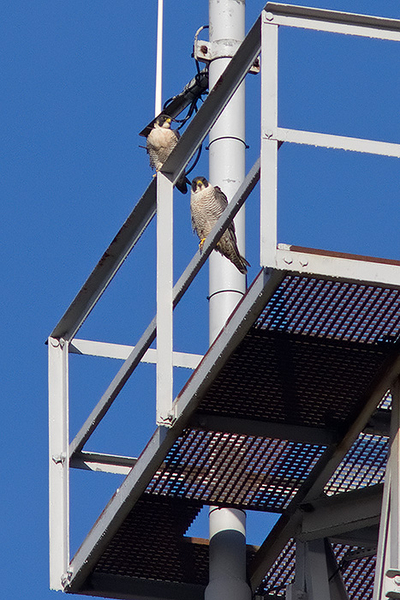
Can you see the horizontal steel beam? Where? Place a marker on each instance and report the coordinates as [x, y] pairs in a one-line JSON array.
[[294, 433], [341, 513], [121, 351], [330, 264], [333, 21], [115, 586], [336, 142], [106, 463]]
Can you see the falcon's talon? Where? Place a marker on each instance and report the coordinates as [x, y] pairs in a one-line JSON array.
[[202, 244]]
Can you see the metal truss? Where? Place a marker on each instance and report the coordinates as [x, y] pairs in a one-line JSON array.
[[316, 564]]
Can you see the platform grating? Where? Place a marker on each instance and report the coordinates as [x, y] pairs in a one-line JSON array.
[[283, 379], [150, 543], [364, 465], [310, 360], [331, 309], [235, 470], [357, 572]]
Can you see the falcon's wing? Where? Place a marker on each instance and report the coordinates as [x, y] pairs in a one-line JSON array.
[[222, 202]]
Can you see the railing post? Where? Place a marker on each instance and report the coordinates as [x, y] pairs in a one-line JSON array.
[[269, 147], [387, 574], [164, 298], [58, 462]]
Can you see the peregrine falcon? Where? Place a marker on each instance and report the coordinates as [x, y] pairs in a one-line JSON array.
[[207, 203], [160, 143]]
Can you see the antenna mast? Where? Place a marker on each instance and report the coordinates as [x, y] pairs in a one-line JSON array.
[[158, 100]]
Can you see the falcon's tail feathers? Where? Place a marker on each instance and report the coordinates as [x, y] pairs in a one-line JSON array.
[[240, 263]]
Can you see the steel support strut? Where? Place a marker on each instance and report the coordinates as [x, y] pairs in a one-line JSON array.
[[317, 575], [387, 575], [58, 463]]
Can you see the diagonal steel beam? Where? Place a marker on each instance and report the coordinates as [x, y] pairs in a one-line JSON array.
[[107, 266], [145, 209], [162, 440], [180, 288], [288, 524], [215, 103]]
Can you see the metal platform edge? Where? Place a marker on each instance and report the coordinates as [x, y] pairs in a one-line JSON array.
[[163, 438], [184, 408]]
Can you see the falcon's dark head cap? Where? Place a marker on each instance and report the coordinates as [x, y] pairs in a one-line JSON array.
[[199, 183], [163, 121]]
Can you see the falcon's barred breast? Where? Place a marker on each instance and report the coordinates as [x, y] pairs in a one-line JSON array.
[[207, 203], [160, 143]]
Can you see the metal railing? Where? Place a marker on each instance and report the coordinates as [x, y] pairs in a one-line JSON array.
[[263, 37]]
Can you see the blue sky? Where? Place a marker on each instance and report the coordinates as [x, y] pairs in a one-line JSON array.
[[78, 86]]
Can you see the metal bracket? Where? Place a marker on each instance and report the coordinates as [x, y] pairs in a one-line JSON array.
[[66, 578], [392, 583], [59, 458], [168, 420], [208, 51]]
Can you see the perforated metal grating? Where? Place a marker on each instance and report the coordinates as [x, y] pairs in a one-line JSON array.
[[363, 465], [150, 544], [310, 359], [331, 309], [357, 572], [235, 470], [311, 333]]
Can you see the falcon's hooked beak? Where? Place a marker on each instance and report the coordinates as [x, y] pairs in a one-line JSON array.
[[199, 183]]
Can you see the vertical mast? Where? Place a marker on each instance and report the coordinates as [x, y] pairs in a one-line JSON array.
[[227, 155], [226, 284]]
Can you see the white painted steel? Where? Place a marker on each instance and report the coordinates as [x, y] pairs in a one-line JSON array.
[[227, 553], [338, 514], [105, 463], [316, 570], [387, 574], [335, 27], [58, 462], [288, 527], [164, 298], [118, 508], [122, 352], [226, 160], [227, 556], [269, 146], [364, 271], [338, 142], [159, 58], [334, 16], [224, 518], [148, 336]]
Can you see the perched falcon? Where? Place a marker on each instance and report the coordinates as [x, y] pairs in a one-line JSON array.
[[160, 143], [207, 203]]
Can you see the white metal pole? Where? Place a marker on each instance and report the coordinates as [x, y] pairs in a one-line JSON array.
[[58, 462], [269, 147], [160, 16], [164, 294], [227, 285], [227, 156]]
